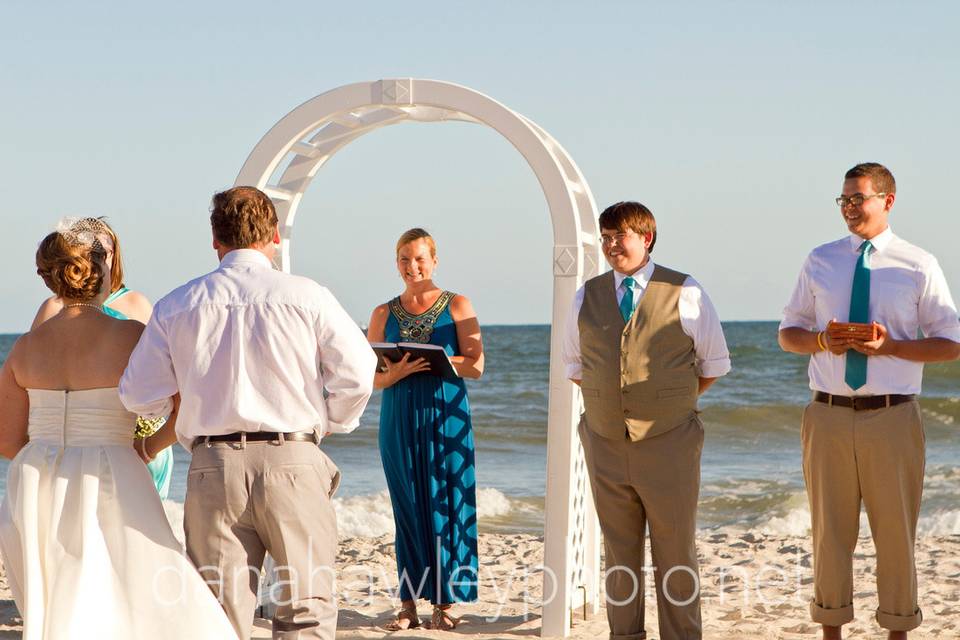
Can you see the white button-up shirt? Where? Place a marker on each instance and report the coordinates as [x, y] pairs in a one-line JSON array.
[[250, 349], [908, 292], [698, 319]]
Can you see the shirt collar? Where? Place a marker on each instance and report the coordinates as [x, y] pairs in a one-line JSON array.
[[879, 241], [245, 256], [642, 276]]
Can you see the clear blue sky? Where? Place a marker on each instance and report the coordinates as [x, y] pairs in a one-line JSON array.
[[732, 121]]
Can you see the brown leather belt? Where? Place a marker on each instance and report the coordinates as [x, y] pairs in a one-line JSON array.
[[259, 436], [863, 403]]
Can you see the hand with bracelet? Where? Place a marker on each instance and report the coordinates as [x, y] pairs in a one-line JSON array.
[[161, 438]]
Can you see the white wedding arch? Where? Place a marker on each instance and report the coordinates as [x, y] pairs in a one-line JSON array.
[[288, 157]]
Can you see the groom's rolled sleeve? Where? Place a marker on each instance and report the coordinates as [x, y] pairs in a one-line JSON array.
[[347, 364], [149, 381]]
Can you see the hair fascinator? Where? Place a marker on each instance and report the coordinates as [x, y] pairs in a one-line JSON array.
[[82, 232]]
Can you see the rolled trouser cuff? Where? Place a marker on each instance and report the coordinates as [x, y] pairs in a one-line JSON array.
[[831, 617], [893, 622]]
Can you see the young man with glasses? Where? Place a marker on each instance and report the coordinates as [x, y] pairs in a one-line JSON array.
[[643, 342], [862, 434]]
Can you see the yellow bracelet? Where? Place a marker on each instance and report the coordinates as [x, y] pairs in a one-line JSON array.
[[820, 344]]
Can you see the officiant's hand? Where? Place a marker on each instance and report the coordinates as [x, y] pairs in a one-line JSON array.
[[402, 368]]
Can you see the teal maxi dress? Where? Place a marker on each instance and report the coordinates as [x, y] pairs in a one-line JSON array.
[[161, 467], [426, 446]]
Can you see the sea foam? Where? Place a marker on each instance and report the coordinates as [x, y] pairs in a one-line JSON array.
[[797, 523], [372, 515]]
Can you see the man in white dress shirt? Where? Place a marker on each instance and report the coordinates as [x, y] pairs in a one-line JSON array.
[[265, 363], [862, 434], [643, 342]]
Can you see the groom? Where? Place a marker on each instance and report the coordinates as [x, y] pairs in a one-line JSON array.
[[264, 363]]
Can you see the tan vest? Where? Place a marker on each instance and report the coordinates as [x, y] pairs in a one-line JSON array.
[[639, 380]]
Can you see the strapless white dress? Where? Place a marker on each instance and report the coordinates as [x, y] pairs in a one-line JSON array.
[[87, 548]]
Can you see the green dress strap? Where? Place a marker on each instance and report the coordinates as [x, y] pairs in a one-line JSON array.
[[110, 311]]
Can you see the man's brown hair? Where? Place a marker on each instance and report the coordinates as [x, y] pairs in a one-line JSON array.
[[630, 215], [880, 177], [243, 217]]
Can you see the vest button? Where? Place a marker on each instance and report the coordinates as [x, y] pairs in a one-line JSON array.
[[626, 412], [626, 391]]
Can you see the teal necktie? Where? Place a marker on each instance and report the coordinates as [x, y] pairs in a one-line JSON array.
[[626, 302], [856, 374]]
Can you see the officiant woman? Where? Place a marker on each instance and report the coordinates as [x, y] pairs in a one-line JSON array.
[[426, 439]]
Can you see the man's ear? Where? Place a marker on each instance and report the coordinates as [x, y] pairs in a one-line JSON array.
[[647, 240], [276, 235], [889, 200]]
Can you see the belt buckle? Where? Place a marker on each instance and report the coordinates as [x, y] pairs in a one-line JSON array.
[[856, 403]]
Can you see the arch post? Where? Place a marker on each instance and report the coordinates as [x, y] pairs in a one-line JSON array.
[[284, 163]]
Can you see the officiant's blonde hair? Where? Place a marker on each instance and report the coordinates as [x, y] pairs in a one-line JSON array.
[[412, 235]]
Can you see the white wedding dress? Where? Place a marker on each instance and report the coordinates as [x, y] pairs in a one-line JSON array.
[[87, 548]]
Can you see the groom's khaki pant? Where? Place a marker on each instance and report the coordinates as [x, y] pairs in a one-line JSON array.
[[653, 482], [876, 457], [245, 500]]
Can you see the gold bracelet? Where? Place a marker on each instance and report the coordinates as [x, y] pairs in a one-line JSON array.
[[820, 344]]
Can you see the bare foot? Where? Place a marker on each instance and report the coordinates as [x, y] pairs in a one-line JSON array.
[[831, 633]]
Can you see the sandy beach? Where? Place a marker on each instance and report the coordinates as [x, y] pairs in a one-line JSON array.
[[754, 586]]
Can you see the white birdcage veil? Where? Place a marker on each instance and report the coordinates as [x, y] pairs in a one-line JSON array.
[[83, 231]]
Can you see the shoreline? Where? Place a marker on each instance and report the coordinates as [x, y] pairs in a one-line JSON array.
[[753, 586]]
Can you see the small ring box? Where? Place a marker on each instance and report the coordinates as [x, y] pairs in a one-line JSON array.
[[859, 330]]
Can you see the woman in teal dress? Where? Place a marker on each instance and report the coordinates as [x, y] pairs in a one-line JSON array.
[[124, 304], [426, 438]]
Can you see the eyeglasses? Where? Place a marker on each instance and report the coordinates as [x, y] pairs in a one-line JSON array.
[[856, 199], [607, 240]]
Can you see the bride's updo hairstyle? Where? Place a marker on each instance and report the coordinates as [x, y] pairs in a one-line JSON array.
[[70, 259]]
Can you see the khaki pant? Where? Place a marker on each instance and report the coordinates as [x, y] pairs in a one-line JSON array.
[[653, 482], [243, 501], [876, 457]]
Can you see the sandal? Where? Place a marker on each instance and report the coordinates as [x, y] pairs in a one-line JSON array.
[[407, 618], [441, 619]]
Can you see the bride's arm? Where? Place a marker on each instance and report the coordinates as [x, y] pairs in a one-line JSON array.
[[165, 436], [14, 410]]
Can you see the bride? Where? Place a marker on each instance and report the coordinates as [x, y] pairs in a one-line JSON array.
[[87, 549]]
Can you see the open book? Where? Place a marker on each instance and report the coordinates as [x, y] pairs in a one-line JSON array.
[[440, 364]]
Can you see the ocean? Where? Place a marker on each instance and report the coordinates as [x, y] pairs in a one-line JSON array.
[[751, 477]]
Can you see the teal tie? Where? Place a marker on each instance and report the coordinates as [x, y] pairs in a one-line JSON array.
[[856, 374], [626, 302]]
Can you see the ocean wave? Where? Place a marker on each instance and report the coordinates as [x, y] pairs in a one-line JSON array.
[[368, 515], [372, 515], [797, 523]]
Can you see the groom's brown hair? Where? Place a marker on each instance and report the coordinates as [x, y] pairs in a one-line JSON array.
[[243, 217]]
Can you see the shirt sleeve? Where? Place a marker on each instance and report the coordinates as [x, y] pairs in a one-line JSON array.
[[570, 351], [936, 310], [347, 365], [700, 321], [801, 308], [149, 382]]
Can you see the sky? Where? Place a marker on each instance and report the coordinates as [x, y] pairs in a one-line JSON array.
[[734, 122]]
